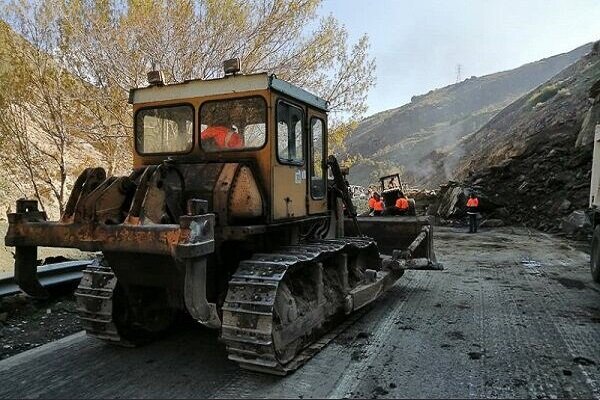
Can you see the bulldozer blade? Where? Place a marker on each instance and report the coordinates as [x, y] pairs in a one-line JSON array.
[[409, 238], [26, 272]]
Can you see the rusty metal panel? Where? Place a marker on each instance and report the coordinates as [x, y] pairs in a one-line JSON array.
[[245, 200], [289, 191], [153, 239], [221, 191]]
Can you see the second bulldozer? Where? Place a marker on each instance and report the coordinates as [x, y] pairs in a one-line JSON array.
[[229, 216]]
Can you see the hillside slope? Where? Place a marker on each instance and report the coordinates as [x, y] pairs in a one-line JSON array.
[[533, 160], [404, 138], [555, 108]]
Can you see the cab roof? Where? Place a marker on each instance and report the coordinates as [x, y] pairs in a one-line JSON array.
[[227, 85]]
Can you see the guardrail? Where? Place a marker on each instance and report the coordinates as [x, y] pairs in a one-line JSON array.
[[50, 275]]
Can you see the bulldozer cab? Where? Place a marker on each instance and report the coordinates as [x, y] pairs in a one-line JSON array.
[[391, 186], [276, 131]]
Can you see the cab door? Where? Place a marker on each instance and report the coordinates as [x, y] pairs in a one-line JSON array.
[[317, 162], [289, 168]]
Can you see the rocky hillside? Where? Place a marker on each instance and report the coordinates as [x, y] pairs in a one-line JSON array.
[[555, 108], [404, 138], [533, 159]]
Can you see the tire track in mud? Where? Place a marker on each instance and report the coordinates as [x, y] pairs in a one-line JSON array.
[[419, 360], [351, 379], [579, 335], [508, 370], [319, 377], [523, 326], [476, 390]]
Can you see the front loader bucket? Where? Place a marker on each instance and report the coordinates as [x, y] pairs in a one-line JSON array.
[[408, 238]]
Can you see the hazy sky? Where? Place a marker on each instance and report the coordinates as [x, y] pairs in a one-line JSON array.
[[418, 44]]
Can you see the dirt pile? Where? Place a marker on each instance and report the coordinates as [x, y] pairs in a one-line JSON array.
[[546, 188], [451, 205], [424, 199], [540, 188], [531, 164]]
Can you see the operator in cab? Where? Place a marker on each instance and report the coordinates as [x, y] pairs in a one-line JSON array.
[[221, 137]]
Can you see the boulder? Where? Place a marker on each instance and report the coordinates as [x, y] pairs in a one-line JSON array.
[[452, 202], [503, 212], [565, 205], [492, 223], [577, 223]]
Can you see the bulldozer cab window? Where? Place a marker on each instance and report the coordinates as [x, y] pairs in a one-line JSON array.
[[235, 124], [317, 182], [164, 130], [391, 182], [290, 120]]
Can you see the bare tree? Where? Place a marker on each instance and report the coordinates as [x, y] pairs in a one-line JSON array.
[[39, 119], [108, 46]]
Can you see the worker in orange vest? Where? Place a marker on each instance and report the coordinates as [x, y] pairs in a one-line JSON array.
[[372, 201], [472, 209], [221, 138], [377, 204], [401, 206]]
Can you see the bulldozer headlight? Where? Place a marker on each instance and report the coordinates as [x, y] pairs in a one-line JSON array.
[[232, 66]]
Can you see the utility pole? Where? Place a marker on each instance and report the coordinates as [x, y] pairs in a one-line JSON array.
[[458, 73]]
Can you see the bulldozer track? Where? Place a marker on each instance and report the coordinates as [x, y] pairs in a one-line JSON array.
[[95, 303], [248, 311]]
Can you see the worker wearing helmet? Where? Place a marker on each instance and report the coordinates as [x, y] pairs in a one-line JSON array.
[[401, 206], [377, 203], [372, 200], [472, 209]]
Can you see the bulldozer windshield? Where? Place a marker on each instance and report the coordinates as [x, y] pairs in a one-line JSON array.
[[233, 124], [164, 129]]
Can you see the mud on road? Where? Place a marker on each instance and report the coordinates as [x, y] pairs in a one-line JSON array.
[[514, 314]]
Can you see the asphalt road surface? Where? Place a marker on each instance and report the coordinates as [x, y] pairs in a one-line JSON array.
[[514, 314]]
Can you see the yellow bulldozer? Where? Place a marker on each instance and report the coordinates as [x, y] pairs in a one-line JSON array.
[[233, 213]]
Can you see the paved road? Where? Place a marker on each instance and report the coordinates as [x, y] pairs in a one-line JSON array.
[[514, 314]]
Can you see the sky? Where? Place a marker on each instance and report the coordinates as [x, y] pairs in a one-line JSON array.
[[418, 45]]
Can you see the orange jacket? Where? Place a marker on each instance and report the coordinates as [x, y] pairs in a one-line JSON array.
[[223, 137], [378, 206], [474, 202], [372, 202], [402, 203]]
